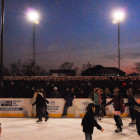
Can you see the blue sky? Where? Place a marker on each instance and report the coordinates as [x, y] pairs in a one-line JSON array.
[[78, 31]]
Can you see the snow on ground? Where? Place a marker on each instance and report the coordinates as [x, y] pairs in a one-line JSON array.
[[62, 129]]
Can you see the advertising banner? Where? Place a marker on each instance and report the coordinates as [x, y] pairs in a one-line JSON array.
[[11, 105], [55, 106]]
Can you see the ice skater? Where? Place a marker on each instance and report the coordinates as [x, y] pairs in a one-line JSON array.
[[118, 109], [40, 103], [97, 102], [89, 122], [102, 108], [137, 113], [131, 103], [0, 129], [34, 98], [44, 95]]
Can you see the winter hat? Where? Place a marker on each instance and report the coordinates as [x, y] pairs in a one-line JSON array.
[[55, 88]]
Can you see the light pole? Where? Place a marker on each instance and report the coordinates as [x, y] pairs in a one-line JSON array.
[[2, 43], [118, 17], [34, 17], [119, 45], [33, 42]]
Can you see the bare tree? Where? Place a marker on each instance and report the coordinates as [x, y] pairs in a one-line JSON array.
[[5, 71], [76, 70], [86, 66], [29, 68], [66, 66], [15, 68], [137, 66]]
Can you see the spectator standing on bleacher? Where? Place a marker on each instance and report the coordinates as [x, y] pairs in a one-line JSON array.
[[56, 94], [81, 94]]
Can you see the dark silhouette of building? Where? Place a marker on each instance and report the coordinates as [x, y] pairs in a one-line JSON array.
[[63, 72], [134, 74], [99, 70]]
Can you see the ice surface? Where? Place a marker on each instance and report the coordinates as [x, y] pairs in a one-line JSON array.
[[62, 129]]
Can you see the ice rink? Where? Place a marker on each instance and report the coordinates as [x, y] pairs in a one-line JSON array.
[[62, 129]]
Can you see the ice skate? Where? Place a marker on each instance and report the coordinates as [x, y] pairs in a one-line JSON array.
[[121, 124], [64, 116], [132, 123], [46, 119], [99, 119], [38, 121], [118, 130]]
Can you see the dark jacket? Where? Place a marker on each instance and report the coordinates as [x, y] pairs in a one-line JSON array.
[[103, 98], [118, 103], [131, 101], [40, 101], [81, 95], [91, 95], [137, 110], [88, 122], [56, 95], [69, 98]]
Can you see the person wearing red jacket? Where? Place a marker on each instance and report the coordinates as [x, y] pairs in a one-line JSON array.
[[118, 109]]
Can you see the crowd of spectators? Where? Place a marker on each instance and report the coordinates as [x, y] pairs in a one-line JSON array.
[[24, 86]]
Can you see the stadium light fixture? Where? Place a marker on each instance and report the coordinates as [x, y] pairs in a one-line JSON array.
[[33, 16], [118, 16]]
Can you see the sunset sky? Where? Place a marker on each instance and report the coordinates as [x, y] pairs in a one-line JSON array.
[[78, 31]]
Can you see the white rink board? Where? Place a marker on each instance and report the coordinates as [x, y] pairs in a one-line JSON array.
[[19, 107]]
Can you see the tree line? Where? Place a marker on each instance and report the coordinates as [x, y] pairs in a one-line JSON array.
[[29, 68]]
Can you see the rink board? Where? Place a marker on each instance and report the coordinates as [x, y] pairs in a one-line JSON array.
[[19, 107]]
